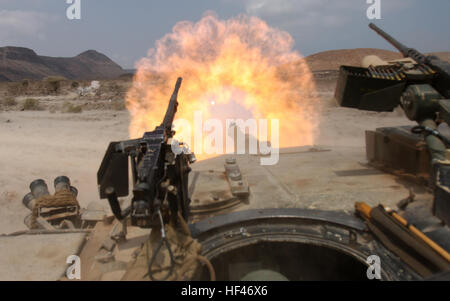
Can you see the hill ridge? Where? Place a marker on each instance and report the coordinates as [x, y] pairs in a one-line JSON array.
[[18, 63]]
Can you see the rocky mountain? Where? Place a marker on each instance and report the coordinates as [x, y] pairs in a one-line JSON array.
[[17, 63]]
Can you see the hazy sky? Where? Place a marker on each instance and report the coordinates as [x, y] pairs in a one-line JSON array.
[[126, 30]]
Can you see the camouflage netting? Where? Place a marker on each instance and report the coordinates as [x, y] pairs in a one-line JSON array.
[[186, 254], [61, 198]]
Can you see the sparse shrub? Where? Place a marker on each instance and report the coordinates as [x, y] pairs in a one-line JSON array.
[[114, 87], [31, 104], [71, 108], [75, 84], [25, 83], [14, 89], [9, 102], [75, 109]]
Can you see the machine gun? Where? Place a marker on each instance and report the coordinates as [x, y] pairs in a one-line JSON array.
[[159, 171], [421, 86]]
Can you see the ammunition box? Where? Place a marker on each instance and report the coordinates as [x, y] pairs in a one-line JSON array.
[[361, 88], [398, 149]]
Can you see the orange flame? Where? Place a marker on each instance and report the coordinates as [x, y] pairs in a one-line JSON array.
[[236, 68]]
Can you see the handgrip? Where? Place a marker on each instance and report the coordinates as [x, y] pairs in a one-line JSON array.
[[114, 202]]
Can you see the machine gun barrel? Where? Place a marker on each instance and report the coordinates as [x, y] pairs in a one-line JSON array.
[[442, 68], [172, 108], [406, 51], [400, 47]]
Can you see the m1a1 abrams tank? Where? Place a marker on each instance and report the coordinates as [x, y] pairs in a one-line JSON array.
[[231, 218]]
